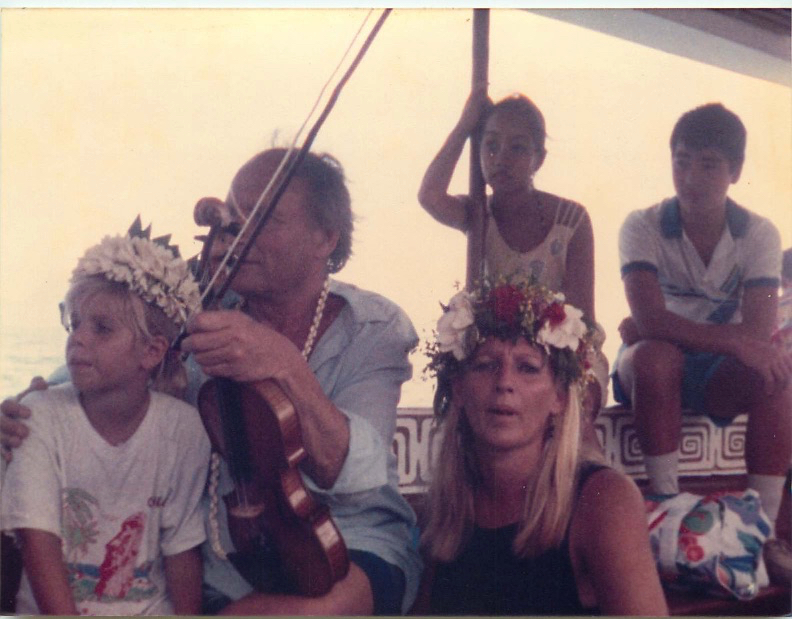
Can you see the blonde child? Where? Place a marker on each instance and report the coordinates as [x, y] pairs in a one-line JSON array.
[[104, 495], [531, 235]]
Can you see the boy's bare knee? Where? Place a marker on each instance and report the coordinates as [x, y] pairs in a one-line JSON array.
[[777, 403], [737, 388], [657, 365]]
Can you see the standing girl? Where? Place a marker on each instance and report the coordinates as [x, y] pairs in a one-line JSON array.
[[104, 495], [531, 235]]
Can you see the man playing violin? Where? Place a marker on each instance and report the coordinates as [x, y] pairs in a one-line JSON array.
[[339, 354]]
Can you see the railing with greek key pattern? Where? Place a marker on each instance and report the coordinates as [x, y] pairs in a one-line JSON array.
[[705, 448]]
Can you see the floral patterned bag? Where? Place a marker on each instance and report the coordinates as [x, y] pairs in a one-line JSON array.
[[710, 544]]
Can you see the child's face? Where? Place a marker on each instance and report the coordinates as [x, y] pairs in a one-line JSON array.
[[102, 351], [702, 177], [508, 154]]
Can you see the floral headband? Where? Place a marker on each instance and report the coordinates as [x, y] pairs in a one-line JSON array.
[[508, 311], [150, 267]]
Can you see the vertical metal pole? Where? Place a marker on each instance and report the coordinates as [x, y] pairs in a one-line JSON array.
[[477, 186]]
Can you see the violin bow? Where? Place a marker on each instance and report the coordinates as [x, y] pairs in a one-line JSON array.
[[262, 211]]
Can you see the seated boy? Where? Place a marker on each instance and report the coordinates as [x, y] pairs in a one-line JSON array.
[[701, 275]]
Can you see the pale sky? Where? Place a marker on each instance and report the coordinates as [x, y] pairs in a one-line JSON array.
[[108, 113]]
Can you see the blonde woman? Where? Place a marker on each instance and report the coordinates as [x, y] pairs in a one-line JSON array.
[[520, 519]]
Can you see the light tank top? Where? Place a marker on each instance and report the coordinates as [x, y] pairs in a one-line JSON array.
[[546, 262]]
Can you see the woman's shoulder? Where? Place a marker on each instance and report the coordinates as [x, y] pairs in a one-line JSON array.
[[561, 201], [609, 516], [607, 497], [610, 547], [602, 482]]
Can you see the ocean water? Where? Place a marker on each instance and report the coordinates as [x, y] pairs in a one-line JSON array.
[[27, 352]]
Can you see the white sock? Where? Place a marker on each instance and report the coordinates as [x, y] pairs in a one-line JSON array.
[[662, 472], [771, 491]]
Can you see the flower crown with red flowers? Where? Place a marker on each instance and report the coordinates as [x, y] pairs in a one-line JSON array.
[[508, 311]]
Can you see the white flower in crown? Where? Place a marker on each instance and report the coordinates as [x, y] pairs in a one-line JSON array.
[[118, 273], [453, 324], [122, 251], [566, 332], [149, 267], [508, 311], [173, 277]]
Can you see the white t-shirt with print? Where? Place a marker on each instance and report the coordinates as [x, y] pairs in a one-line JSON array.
[[117, 509]]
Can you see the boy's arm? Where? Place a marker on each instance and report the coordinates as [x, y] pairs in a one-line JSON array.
[[433, 194], [45, 567], [184, 573], [748, 341]]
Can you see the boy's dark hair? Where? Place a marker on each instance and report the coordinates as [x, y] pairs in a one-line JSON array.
[[712, 126]]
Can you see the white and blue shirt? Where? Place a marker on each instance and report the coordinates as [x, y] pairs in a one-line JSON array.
[[748, 254]]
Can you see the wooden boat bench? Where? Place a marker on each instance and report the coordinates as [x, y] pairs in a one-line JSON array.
[[711, 460]]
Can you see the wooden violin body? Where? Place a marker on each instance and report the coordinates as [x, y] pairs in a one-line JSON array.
[[255, 428]]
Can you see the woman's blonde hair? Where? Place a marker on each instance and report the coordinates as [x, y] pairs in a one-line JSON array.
[[549, 496], [146, 320]]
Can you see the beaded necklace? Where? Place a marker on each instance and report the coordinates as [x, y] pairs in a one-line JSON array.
[[317, 319]]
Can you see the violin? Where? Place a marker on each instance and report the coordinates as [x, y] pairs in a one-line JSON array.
[[285, 541]]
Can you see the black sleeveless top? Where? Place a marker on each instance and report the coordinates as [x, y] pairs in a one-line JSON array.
[[487, 579]]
